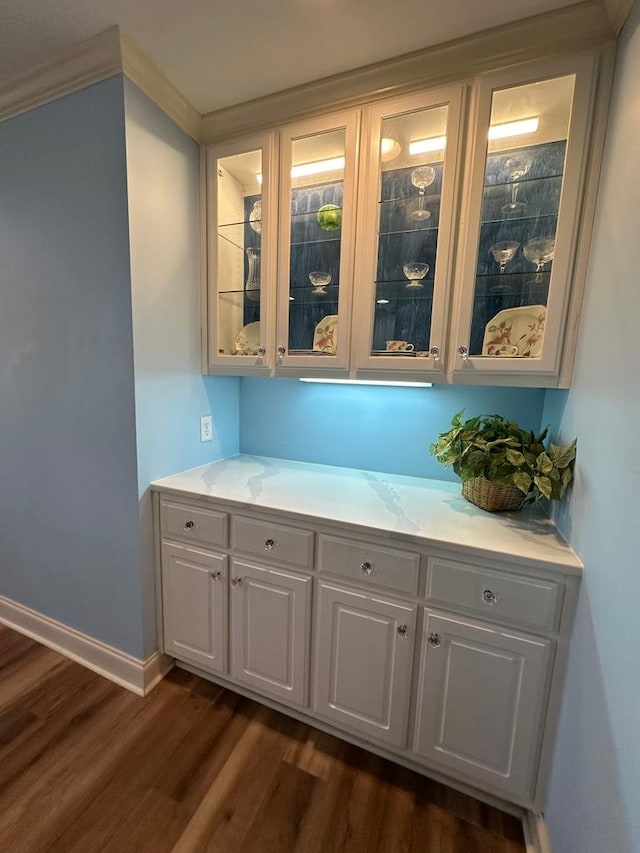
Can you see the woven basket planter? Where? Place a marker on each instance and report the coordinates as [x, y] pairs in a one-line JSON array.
[[494, 497]]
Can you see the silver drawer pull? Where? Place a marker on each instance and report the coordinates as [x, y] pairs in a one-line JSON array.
[[269, 545], [215, 575], [366, 568], [236, 581], [189, 525], [434, 640], [489, 597], [402, 631]]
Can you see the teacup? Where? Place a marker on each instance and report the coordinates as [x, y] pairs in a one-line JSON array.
[[399, 346], [503, 350]]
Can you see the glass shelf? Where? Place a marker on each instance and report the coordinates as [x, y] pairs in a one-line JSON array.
[[522, 182], [299, 243]]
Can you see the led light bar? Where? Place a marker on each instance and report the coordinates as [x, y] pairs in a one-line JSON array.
[[514, 128], [423, 146], [367, 382]]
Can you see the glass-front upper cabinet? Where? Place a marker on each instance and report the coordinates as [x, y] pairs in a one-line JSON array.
[[316, 243], [241, 233], [523, 205], [403, 264]]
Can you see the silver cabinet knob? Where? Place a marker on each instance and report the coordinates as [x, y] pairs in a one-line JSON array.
[[215, 576], [489, 597], [402, 631], [269, 545], [189, 525], [434, 640], [281, 351], [366, 568], [236, 581], [261, 352], [434, 352], [463, 352]]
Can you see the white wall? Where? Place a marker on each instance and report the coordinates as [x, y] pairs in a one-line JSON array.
[[170, 393], [69, 545], [594, 803]]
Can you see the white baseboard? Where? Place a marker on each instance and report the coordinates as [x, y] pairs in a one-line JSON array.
[[536, 834], [139, 676]]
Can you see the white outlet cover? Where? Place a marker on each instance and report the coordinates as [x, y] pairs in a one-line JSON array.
[[206, 428]]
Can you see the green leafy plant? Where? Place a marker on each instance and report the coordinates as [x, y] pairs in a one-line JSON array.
[[489, 446]]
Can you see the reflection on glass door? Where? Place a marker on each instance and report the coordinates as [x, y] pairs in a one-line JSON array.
[[523, 179]]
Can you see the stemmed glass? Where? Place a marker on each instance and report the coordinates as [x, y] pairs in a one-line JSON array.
[[504, 253], [539, 251], [319, 281], [415, 271], [421, 178], [517, 167]]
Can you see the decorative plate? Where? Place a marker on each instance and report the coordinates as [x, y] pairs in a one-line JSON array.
[[247, 340], [516, 333], [325, 336]]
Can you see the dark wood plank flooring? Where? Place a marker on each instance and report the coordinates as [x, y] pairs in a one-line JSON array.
[[86, 766]]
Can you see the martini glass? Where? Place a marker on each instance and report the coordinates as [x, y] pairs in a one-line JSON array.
[[516, 167], [421, 178], [415, 271], [539, 251], [503, 253]]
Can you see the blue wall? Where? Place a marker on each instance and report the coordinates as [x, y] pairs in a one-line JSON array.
[[163, 166], [594, 803], [69, 544], [378, 428]]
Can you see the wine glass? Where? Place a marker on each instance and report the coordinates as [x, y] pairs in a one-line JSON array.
[[319, 280], [516, 167], [503, 253], [421, 178], [415, 271], [539, 251]]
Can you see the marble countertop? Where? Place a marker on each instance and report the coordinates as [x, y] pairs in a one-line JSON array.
[[409, 508]]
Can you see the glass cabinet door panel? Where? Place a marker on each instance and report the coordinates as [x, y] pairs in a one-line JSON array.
[[240, 254], [524, 168], [315, 277]]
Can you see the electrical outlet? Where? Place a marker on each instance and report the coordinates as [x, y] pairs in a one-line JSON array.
[[206, 428]]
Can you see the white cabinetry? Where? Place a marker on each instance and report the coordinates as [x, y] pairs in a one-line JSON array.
[[481, 697], [363, 656], [443, 657], [270, 630]]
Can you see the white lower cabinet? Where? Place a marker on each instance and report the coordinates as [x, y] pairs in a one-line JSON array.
[[363, 657], [270, 625], [194, 603], [481, 698]]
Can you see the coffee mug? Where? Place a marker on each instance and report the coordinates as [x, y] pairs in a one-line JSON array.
[[399, 346]]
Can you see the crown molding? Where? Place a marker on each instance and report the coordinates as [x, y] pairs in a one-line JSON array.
[[148, 77], [572, 28], [618, 11], [90, 62]]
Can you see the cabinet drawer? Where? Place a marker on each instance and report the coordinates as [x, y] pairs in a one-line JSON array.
[[274, 542], [498, 596], [369, 564], [196, 525]]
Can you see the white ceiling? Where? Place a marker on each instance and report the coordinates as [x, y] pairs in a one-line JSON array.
[[222, 52]]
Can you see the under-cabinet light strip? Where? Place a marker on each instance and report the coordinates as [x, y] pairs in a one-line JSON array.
[[367, 382]]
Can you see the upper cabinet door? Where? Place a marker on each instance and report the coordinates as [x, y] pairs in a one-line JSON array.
[[316, 244], [524, 193], [241, 202], [404, 257]]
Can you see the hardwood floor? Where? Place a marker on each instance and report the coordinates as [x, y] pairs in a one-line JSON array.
[[86, 766]]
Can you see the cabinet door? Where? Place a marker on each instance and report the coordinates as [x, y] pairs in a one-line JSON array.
[[523, 214], [363, 658], [410, 164], [270, 631], [481, 697], [194, 606], [316, 244], [241, 203]]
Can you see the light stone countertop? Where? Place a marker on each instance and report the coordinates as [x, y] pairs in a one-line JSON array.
[[411, 509]]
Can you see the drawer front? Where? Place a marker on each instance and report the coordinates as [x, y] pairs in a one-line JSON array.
[[369, 564], [494, 595], [196, 525], [274, 542]]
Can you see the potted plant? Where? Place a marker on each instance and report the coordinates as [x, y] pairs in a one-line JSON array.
[[501, 465]]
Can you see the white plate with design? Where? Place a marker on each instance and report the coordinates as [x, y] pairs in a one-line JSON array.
[[516, 333], [247, 340], [325, 336]]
